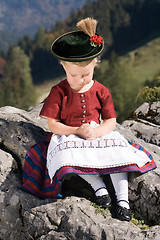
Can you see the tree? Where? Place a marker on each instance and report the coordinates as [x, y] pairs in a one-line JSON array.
[[119, 77], [39, 37], [16, 86], [26, 43], [150, 92]]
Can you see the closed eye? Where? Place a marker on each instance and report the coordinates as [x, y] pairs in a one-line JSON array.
[[85, 75], [73, 75]]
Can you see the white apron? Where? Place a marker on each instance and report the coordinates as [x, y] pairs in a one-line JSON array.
[[111, 150]]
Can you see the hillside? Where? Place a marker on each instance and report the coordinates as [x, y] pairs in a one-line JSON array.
[[24, 17], [145, 60], [126, 76], [124, 24], [130, 30]]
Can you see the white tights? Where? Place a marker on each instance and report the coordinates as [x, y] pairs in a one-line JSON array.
[[96, 183], [120, 183]]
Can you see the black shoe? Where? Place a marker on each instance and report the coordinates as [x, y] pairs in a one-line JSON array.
[[123, 213], [103, 200]]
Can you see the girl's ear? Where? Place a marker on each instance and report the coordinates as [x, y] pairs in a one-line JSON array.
[[63, 64]]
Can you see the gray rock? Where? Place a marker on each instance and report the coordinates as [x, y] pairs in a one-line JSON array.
[[75, 218], [149, 112], [148, 133], [127, 131], [144, 190], [23, 216], [9, 113], [19, 130], [145, 130], [11, 224]]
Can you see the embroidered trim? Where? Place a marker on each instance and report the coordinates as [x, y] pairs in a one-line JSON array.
[[103, 143]]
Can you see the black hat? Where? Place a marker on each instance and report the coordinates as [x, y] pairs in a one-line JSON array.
[[77, 46]]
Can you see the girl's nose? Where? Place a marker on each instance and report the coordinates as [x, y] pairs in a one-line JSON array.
[[82, 79]]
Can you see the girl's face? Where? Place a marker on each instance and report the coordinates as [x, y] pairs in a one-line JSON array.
[[78, 77]]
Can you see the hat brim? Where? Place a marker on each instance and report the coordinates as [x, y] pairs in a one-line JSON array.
[[75, 47]]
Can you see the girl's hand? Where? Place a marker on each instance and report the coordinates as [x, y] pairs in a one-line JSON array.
[[86, 131]]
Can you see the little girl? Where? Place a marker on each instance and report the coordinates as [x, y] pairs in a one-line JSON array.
[[80, 143]]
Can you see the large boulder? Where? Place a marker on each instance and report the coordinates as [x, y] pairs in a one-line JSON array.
[[24, 216], [147, 111], [144, 124], [19, 130]]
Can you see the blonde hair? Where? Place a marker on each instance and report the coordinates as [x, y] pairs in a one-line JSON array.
[[96, 61]]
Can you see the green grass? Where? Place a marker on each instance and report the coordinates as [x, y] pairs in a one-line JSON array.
[[145, 60], [139, 223], [100, 209], [42, 90], [105, 212]]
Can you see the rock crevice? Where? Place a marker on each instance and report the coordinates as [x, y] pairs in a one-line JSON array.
[[24, 216]]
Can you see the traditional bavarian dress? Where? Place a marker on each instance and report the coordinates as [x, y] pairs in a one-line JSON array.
[[47, 162]]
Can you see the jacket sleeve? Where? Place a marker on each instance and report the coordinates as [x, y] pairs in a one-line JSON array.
[[52, 105], [107, 106]]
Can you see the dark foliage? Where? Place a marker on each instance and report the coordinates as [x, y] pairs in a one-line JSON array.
[[124, 25]]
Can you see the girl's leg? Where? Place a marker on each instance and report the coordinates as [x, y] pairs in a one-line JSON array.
[[120, 183], [96, 183], [102, 197]]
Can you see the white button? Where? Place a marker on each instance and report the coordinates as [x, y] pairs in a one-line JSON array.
[[83, 101], [83, 121], [82, 95], [84, 111], [84, 106], [84, 116]]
